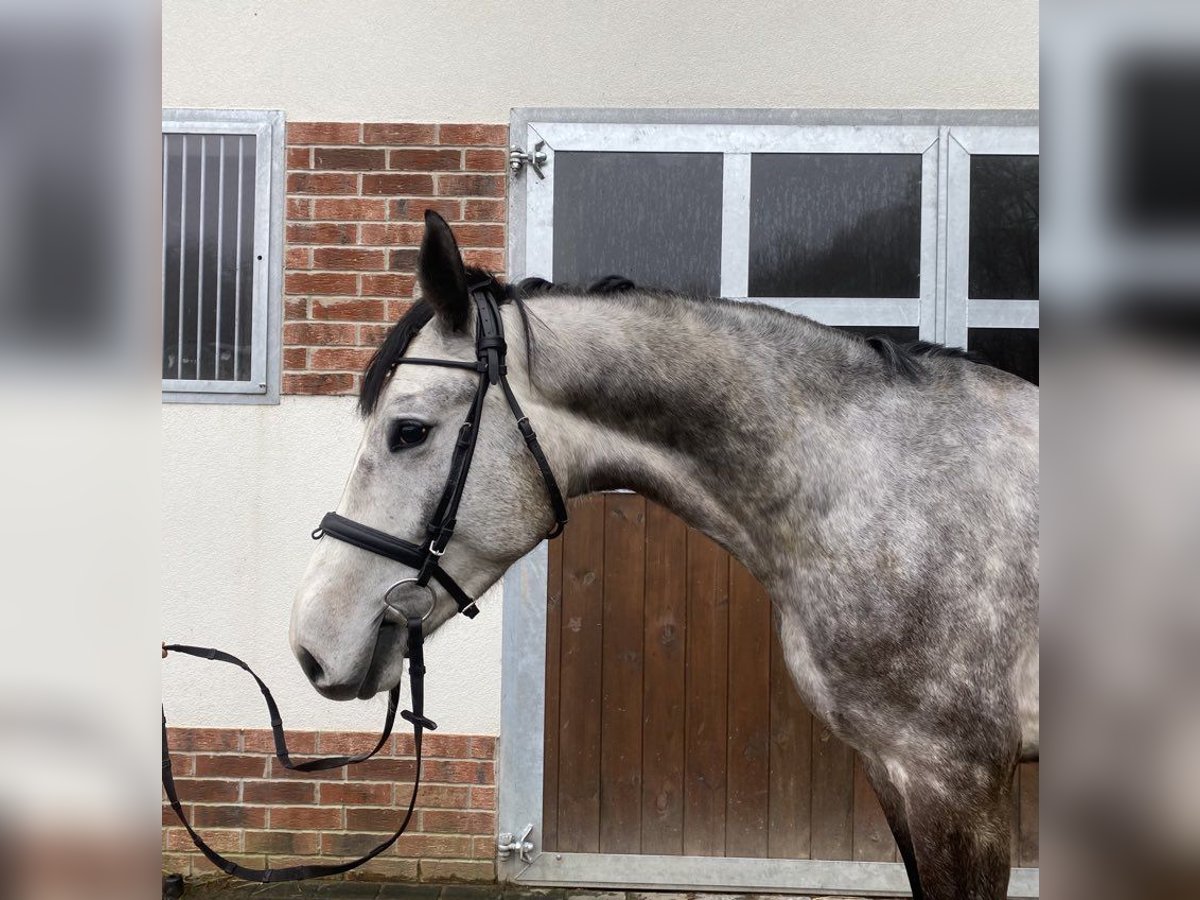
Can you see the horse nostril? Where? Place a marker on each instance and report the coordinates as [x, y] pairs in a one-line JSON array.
[[312, 668]]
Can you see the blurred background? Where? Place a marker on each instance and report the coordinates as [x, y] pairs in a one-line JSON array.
[[79, 431]]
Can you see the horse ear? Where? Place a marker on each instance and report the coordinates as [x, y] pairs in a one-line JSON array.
[[441, 274]]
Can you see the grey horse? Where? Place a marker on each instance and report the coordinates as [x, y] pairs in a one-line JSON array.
[[885, 496]]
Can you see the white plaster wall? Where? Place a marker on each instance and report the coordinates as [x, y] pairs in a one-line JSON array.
[[242, 488], [473, 60]]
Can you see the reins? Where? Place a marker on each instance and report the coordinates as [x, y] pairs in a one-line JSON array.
[[425, 557]]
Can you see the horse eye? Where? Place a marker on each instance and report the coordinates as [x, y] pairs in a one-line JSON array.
[[406, 433]]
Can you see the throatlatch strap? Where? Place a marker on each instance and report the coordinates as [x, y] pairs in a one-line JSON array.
[[300, 873]]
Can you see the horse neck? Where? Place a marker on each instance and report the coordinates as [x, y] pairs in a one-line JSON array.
[[703, 406]]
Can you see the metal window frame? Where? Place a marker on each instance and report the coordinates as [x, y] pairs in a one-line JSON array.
[[520, 765], [267, 127], [963, 312]]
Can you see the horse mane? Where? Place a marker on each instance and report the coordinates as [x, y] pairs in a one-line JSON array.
[[900, 359]]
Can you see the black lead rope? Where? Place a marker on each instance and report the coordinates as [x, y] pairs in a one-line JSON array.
[[416, 717]]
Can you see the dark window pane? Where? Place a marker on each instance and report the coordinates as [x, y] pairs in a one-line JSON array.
[[835, 225], [208, 256], [653, 217], [1004, 228], [1011, 349]]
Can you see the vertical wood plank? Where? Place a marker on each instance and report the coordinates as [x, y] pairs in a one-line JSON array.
[[873, 841], [833, 796], [580, 681], [790, 806], [553, 670], [707, 697], [624, 627], [1030, 828], [663, 708], [749, 715]]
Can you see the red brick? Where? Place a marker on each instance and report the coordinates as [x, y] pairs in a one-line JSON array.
[[373, 335], [350, 210], [484, 211], [323, 132], [442, 871], [299, 208], [318, 334], [183, 764], [352, 742], [354, 793], [483, 746], [259, 740], [221, 841], [349, 258], [295, 358], [403, 260], [395, 309], [483, 797], [303, 843], [233, 766], [492, 260], [305, 818], [486, 161], [277, 793], [309, 384], [455, 771], [169, 818], [393, 183], [206, 790], [385, 770], [384, 819], [445, 796], [397, 133], [340, 359], [414, 210], [322, 183], [380, 869], [202, 867], [348, 310], [319, 283], [446, 821], [447, 746], [353, 158], [322, 233], [393, 234], [214, 740], [444, 846], [298, 259], [387, 285], [229, 817], [293, 308], [479, 135], [277, 770], [479, 235], [352, 844], [483, 847], [299, 157], [470, 185], [425, 160]]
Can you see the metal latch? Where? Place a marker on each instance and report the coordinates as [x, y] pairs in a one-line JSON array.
[[518, 158], [506, 846]]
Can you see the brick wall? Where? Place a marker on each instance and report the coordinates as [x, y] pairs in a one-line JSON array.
[[251, 809], [356, 197]]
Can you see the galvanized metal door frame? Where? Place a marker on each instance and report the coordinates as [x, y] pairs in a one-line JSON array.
[[520, 770]]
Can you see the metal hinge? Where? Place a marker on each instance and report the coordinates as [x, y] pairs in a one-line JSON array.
[[506, 846], [518, 158]]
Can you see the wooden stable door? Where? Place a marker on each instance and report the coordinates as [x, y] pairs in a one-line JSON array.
[[672, 726]]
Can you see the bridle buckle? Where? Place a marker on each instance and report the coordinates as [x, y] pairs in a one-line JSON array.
[[433, 551]]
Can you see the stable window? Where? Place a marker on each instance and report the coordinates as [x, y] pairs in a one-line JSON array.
[[221, 255]]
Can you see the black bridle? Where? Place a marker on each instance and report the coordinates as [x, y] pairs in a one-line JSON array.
[[491, 366], [490, 363]]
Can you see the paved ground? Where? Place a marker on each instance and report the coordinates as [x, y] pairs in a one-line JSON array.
[[365, 890]]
